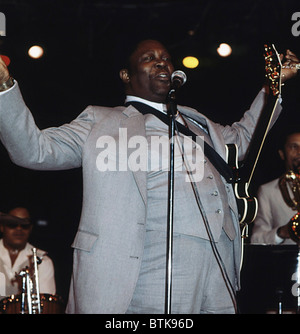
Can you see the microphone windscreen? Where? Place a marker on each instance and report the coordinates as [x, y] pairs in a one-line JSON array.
[[179, 75]]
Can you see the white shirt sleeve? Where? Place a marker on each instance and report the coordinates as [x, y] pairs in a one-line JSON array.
[[278, 240], [2, 285]]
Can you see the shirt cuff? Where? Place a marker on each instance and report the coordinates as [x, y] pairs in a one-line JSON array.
[[7, 90], [278, 240]]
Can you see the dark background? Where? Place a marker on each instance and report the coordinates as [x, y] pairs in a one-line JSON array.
[[83, 42]]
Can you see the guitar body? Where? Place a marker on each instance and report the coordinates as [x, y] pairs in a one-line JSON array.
[[247, 205]]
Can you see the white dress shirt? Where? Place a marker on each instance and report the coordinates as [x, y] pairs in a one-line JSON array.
[[8, 284]]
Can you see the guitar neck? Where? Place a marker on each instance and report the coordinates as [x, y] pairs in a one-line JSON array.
[[273, 73], [248, 166]]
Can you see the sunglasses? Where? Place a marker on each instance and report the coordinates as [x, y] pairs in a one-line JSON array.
[[15, 225]]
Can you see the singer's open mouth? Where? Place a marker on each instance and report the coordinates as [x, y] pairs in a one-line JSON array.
[[164, 76]]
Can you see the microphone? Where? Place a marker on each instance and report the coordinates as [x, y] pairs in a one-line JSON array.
[[178, 79]]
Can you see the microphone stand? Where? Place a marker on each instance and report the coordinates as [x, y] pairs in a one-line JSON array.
[[172, 110]]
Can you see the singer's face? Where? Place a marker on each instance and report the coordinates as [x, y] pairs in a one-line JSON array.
[[150, 71]]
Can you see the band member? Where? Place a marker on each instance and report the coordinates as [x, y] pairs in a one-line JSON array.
[[16, 254], [276, 199], [120, 247]]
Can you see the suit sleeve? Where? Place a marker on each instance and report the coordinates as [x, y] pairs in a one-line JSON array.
[[242, 131], [50, 149]]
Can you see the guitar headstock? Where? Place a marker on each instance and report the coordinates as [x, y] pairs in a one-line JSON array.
[[273, 68]]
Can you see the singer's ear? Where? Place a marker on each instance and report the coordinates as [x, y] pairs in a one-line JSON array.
[[124, 75]]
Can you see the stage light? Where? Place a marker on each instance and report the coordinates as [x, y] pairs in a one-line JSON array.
[[190, 62], [224, 50], [36, 52]]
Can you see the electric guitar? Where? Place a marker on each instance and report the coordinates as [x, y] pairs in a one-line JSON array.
[[248, 205]]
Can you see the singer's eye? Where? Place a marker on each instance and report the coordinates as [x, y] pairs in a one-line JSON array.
[[166, 56], [147, 58]]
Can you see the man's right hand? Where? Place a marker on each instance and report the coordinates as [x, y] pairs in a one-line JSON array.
[[4, 73], [283, 231], [291, 229]]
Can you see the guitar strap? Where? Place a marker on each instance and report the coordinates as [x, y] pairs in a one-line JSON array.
[[219, 163]]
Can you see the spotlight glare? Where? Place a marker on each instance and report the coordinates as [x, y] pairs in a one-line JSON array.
[[224, 50], [35, 52], [190, 62]]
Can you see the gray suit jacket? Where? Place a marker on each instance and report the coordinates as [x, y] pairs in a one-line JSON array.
[[108, 246]]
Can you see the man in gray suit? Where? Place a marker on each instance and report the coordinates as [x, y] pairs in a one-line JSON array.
[[120, 247]]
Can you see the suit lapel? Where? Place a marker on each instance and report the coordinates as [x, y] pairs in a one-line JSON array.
[[216, 140], [135, 125]]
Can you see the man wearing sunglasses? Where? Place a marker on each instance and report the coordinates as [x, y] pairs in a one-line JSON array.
[[16, 254]]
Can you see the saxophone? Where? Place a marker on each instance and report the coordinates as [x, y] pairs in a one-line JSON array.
[[289, 185]]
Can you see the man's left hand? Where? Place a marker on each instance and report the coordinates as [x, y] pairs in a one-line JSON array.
[[289, 68]]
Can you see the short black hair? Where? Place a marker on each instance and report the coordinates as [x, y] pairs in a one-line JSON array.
[[127, 44], [287, 131]]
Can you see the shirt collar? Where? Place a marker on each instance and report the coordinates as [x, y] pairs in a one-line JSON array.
[[159, 106]]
